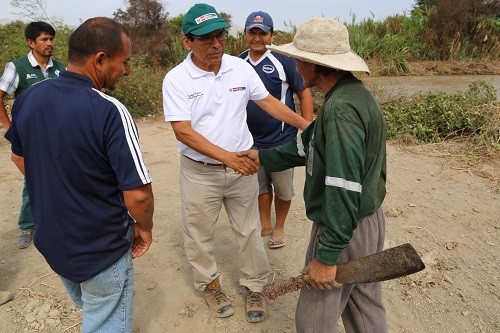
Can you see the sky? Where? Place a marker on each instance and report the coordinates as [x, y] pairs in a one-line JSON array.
[[284, 13]]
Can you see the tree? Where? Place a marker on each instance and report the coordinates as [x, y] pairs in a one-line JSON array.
[[423, 6], [226, 17], [490, 8], [456, 27], [12, 41], [150, 33], [34, 10]]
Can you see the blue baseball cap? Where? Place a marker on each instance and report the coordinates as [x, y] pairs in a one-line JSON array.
[[202, 19], [260, 20]]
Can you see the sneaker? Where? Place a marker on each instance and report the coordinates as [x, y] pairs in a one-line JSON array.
[[25, 239], [255, 306], [217, 300]]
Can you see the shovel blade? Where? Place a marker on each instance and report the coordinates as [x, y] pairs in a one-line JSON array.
[[389, 264]]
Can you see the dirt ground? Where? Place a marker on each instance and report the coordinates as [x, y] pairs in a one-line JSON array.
[[450, 216]]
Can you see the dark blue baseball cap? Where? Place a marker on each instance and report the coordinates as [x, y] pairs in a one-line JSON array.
[[260, 20]]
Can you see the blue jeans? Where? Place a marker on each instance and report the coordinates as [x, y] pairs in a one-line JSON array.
[[106, 299]]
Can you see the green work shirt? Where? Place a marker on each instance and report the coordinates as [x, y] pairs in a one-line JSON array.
[[344, 151]]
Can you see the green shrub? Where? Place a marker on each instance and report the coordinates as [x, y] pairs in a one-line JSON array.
[[141, 92], [437, 116], [12, 42]]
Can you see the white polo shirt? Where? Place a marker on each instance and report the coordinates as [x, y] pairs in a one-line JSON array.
[[215, 104]]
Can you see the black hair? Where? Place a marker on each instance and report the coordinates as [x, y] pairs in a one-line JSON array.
[[35, 29], [98, 34], [323, 70]]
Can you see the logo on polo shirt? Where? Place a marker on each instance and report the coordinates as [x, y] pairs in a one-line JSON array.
[[194, 95], [31, 76], [56, 72], [268, 69], [235, 89], [205, 17]]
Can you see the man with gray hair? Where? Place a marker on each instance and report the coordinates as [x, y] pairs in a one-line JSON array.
[[345, 157]]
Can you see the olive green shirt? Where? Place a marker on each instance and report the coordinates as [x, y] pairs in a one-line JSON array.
[[344, 151]]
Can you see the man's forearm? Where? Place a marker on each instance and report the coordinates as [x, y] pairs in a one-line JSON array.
[[140, 204], [306, 104], [281, 112], [194, 140], [185, 134]]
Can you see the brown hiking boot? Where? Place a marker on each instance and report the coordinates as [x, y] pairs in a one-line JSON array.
[[255, 306], [217, 300]]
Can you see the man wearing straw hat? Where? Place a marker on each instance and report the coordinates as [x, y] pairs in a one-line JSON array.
[[345, 157]]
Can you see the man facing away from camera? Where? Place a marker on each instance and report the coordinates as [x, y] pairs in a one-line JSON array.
[[205, 99], [90, 190]]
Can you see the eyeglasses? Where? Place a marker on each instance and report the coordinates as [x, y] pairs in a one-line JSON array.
[[208, 39]]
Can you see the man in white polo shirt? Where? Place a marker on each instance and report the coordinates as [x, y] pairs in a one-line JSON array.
[[205, 99]]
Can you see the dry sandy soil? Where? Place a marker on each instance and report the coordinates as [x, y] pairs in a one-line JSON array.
[[450, 216]]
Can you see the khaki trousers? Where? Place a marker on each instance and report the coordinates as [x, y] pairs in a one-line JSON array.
[[359, 305], [204, 189]]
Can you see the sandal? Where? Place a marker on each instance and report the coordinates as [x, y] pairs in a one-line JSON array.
[[264, 233], [276, 243]]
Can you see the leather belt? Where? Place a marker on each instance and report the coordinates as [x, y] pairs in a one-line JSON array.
[[205, 163]]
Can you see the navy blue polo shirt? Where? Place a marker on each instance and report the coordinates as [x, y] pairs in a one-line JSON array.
[[81, 150], [280, 76]]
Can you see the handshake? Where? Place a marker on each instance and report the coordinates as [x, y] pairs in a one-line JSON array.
[[245, 162]]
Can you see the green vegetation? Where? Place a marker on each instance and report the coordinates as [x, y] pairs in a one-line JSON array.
[[141, 90], [439, 116], [437, 30]]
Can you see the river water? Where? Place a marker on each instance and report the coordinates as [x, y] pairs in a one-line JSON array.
[[407, 86]]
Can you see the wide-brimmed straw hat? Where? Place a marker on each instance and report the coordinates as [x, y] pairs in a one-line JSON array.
[[323, 41]]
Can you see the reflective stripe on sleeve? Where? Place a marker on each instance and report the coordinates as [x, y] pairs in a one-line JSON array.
[[300, 146], [342, 183]]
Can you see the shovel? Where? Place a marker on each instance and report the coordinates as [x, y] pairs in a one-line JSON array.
[[381, 266]]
